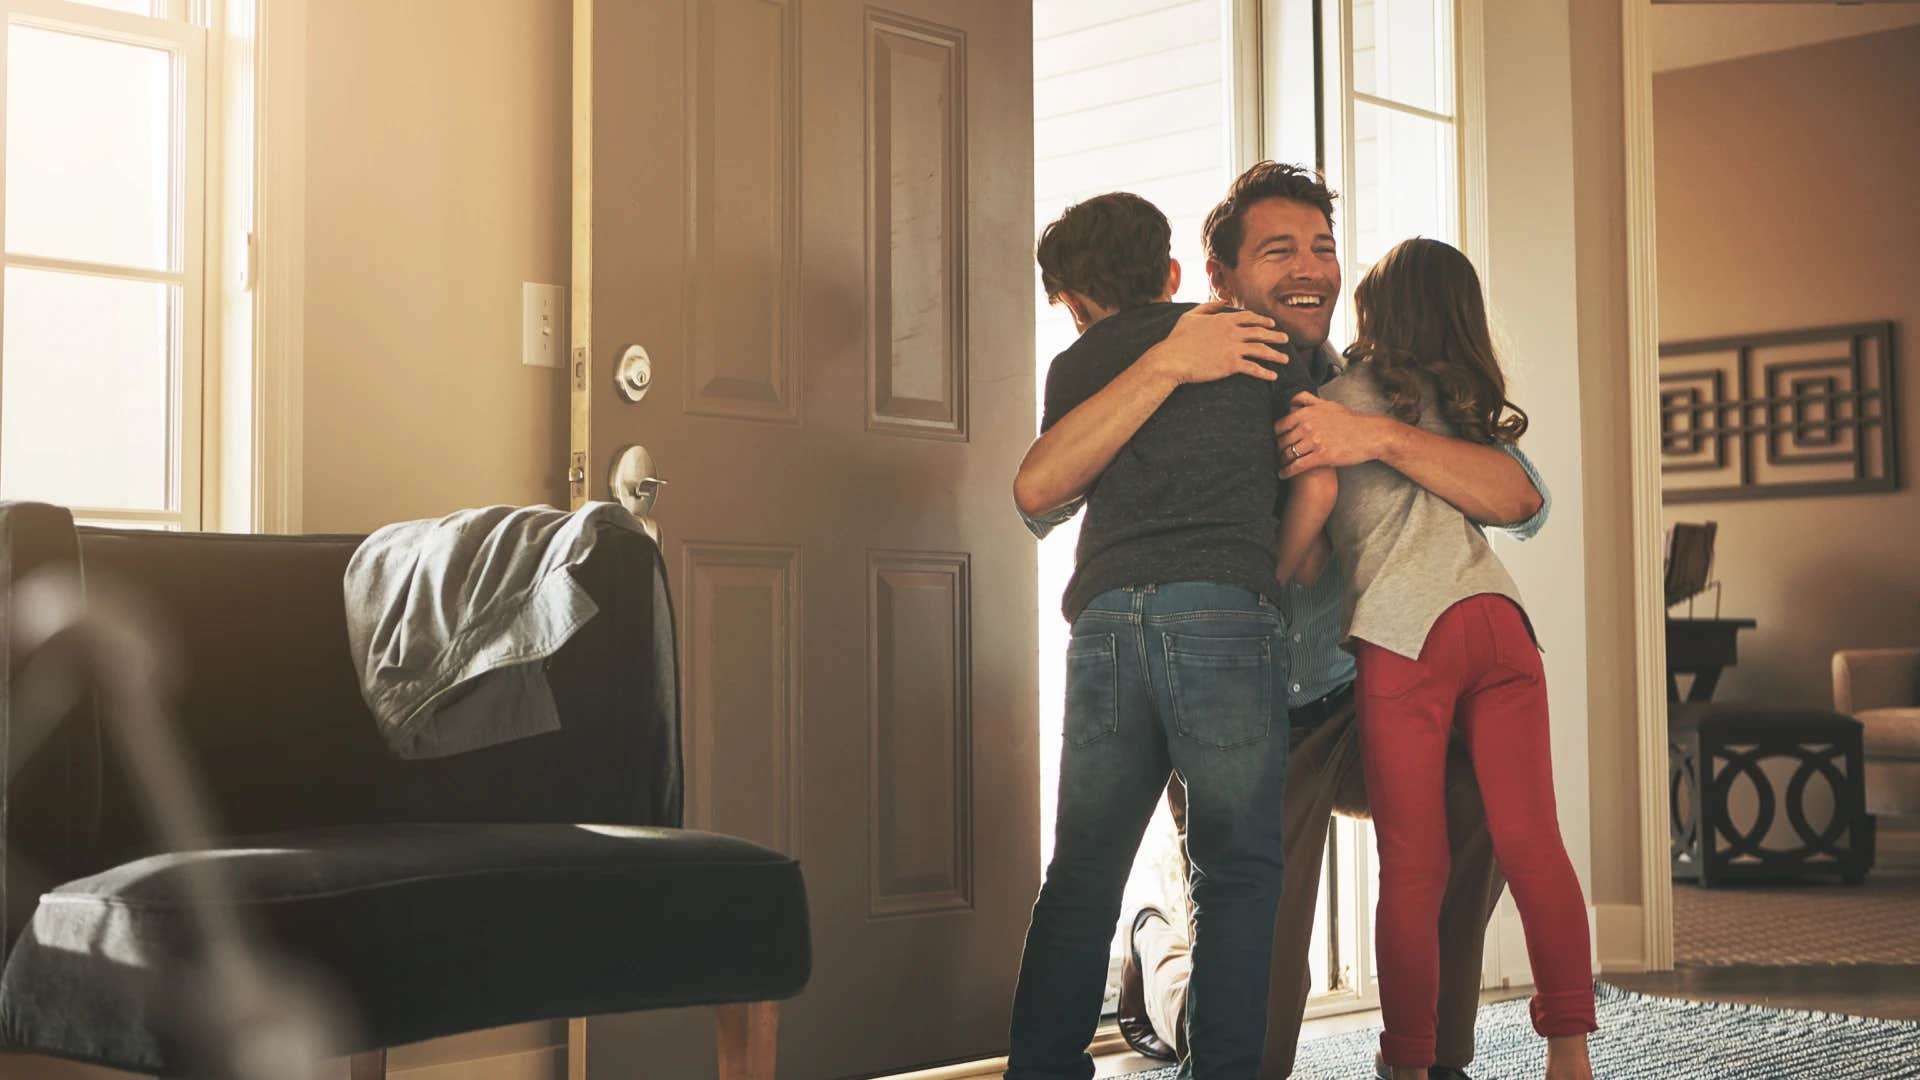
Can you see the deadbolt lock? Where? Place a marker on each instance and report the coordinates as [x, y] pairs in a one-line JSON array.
[[635, 373]]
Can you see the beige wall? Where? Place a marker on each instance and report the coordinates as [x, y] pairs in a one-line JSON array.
[[1601, 267], [437, 181], [1557, 277], [1785, 194], [1530, 270]]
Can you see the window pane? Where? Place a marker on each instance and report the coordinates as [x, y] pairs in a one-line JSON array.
[[1403, 183], [1292, 81], [1128, 95], [89, 137], [85, 401], [1370, 847], [1403, 51]]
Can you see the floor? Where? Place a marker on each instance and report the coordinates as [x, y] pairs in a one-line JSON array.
[[1822, 947], [1122, 1062], [1888, 991], [1826, 947], [1810, 923]]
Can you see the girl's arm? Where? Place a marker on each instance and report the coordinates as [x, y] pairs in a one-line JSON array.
[[1303, 546]]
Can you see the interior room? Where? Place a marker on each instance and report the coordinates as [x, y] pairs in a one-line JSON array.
[[520, 561], [1741, 206]]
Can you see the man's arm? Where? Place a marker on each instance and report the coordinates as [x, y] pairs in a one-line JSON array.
[[1042, 525], [1486, 483], [1208, 343], [1528, 529]]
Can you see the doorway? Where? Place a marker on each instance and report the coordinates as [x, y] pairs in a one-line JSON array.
[[1785, 296], [1171, 101]]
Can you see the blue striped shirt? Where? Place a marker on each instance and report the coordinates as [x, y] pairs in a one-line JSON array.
[[1314, 614]]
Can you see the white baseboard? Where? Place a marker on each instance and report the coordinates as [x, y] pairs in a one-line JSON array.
[[1619, 938]]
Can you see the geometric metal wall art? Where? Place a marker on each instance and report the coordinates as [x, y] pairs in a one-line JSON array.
[[1807, 412]]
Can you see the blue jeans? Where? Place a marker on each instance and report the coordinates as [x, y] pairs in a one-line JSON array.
[[1191, 678]]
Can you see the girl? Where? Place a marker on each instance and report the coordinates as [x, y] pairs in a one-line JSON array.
[[1444, 649]]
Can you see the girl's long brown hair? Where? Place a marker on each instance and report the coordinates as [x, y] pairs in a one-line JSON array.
[[1421, 313]]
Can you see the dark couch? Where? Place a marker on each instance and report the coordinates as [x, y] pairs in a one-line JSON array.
[[432, 897]]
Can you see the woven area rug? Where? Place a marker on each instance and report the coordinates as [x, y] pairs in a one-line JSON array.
[[1648, 1038], [1783, 925]]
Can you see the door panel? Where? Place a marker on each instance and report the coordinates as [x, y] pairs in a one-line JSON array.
[[816, 216], [916, 198]]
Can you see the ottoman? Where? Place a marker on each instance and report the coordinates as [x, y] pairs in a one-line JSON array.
[[1738, 772]]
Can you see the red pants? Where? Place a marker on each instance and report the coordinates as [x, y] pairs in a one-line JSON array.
[[1480, 673]]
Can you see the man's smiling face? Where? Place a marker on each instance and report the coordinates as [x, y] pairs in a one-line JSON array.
[[1288, 269]]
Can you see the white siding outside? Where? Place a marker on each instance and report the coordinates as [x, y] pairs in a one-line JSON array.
[[1129, 95]]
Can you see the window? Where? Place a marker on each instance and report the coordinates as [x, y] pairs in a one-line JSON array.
[[105, 305], [1392, 120]]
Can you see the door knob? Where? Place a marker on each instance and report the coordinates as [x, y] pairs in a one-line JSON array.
[[634, 374], [634, 481]]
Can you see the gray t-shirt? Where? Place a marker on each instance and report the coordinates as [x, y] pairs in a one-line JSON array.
[[1191, 497], [1407, 554]]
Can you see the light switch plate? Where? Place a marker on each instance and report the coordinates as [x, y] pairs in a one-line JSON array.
[[543, 324]]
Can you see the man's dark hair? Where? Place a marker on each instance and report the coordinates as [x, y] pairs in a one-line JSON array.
[[1113, 249], [1226, 229]]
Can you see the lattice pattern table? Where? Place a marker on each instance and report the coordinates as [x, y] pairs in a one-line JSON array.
[[1714, 748]]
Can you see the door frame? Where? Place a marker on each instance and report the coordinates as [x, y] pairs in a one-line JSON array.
[[1649, 601]]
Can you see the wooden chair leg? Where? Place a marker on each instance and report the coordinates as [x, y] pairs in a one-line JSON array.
[[371, 1065], [577, 1048], [749, 1036]]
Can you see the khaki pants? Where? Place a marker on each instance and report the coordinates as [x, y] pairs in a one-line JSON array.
[[1324, 778]]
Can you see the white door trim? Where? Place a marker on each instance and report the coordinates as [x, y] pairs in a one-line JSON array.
[[1470, 129], [280, 239], [1649, 608]]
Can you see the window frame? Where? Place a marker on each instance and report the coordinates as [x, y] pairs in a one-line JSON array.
[[234, 404], [175, 29]]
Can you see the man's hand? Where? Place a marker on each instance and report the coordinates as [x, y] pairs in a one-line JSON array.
[[1214, 341], [1319, 433], [1483, 482]]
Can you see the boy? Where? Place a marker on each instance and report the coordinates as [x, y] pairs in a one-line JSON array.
[[1177, 660]]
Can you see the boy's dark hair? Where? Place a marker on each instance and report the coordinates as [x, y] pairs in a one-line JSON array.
[[1225, 230], [1114, 249]]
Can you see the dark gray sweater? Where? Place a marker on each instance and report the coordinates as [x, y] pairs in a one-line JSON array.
[[1194, 494]]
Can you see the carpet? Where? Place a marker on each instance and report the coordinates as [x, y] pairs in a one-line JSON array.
[[1791, 925], [1649, 1038]]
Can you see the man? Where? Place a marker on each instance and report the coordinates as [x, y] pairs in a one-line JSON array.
[[1271, 250]]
